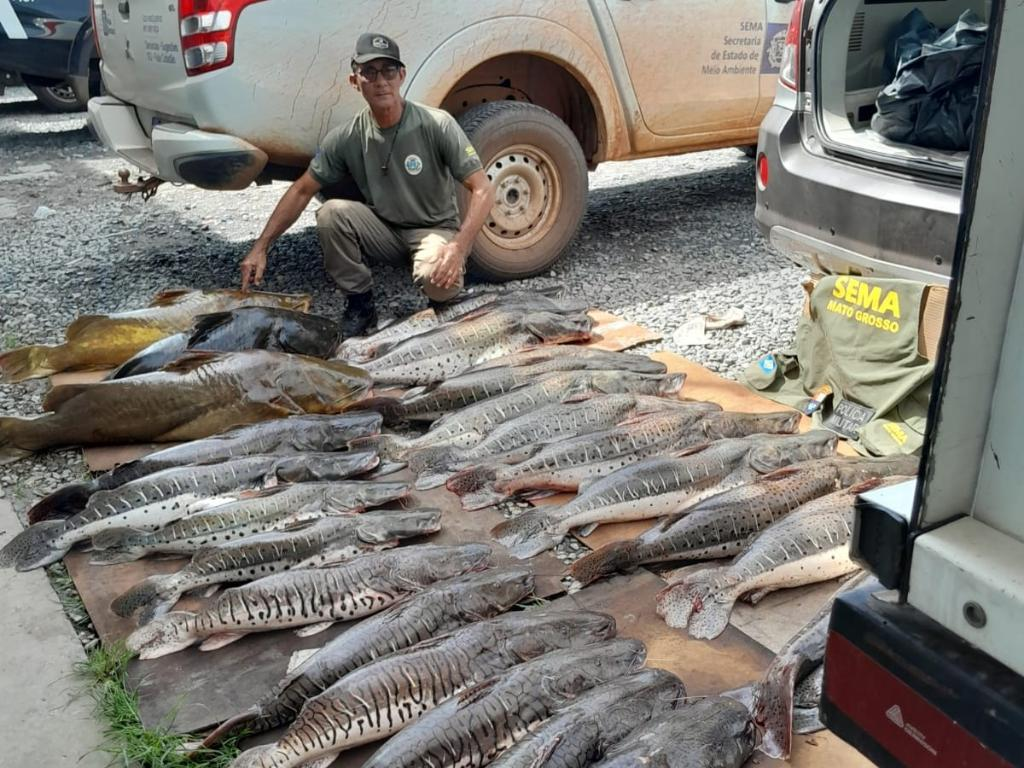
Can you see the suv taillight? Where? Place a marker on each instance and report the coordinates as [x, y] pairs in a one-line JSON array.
[[207, 29], [789, 72], [95, 29]]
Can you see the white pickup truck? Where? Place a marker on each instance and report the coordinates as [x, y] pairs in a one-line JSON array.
[[225, 93]]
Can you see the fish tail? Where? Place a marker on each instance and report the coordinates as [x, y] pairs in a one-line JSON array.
[[388, 407], [432, 461], [62, 503], [526, 535], [28, 363], [225, 729], [10, 451], [391, 447], [695, 603], [471, 480], [152, 596], [34, 547], [609, 559], [773, 711]]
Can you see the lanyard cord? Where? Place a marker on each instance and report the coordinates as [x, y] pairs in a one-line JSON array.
[[394, 138]]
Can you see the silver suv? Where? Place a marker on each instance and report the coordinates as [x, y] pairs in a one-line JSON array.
[[831, 193]]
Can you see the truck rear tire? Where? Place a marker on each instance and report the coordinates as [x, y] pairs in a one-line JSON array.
[[540, 182], [60, 97]]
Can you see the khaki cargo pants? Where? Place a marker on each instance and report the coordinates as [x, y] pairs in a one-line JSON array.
[[353, 237]]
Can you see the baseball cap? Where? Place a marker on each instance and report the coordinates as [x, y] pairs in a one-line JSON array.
[[373, 45]]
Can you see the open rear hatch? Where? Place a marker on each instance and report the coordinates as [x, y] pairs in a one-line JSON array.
[[850, 42]]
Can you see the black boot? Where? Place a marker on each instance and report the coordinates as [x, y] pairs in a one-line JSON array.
[[360, 315]]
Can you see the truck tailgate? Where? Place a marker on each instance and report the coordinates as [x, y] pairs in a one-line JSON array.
[[141, 50]]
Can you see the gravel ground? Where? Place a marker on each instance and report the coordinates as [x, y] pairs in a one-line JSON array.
[[662, 239]]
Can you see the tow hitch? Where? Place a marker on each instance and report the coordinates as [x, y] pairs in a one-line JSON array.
[[145, 186]]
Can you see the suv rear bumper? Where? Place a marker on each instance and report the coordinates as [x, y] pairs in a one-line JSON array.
[[176, 152], [832, 215]]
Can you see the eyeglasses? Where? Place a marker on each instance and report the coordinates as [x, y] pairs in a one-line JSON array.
[[369, 74]]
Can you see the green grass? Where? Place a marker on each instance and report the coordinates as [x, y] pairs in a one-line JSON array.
[[10, 341], [65, 589], [129, 743]]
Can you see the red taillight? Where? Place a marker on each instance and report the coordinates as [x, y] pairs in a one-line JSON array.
[[96, 31], [789, 72], [207, 29], [762, 171]]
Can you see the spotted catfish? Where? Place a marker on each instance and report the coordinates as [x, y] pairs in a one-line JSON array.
[[471, 730], [439, 609], [720, 526], [311, 599], [383, 697], [363, 348], [805, 547], [433, 402], [326, 541], [564, 465], [296, 434], [661, 486], [163, 497], [468, 426], [450, 349], [520, 438]]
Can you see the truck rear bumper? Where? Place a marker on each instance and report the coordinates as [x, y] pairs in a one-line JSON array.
[[176, 152]]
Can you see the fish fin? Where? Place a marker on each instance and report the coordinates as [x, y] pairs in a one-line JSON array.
[[584, 484], [773, 710], [169, 296], [192, 360], [34, 547], [541, 758], [217, 734], [682, 603], [472, 480], [865, 486], [526, 535], [586, 530], [61, 504], [26, 363], [313, 629], [320, 762], [609, 559], [212, 502], [807, 720], [690, 450], [116, 538], [211, 590], [79, 324], [59, 395], [204, 324], [213, 642], [147, 596], [257, 757], [756, 597], [482, 499], [388, 407], [778, 474], [116, 556], [428, 482], [744, 696], [391, 447], [713, 617]]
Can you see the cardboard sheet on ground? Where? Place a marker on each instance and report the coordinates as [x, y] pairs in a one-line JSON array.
[[192, 689]]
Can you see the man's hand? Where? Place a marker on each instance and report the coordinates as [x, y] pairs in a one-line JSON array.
[[253, 266], [451, 263]]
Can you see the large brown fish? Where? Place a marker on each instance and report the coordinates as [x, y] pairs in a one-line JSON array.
[[197, 396], [106, 341]]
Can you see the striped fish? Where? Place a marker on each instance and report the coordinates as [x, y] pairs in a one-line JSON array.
[[381, 698], [316, 596], [473, 729], [329, 540], [443, 607]]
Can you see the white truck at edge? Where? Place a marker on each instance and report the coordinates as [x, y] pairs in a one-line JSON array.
[[224, 93]]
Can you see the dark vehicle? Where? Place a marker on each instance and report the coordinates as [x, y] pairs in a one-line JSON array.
[[48, 45]]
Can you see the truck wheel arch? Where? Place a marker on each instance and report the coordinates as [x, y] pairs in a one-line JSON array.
[[530, 46]]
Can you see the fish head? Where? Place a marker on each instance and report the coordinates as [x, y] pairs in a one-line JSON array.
[[359, 495], [539, 632], [332, 433], [321, 467], [163, 635], [731, 424], [315, 385], [378, 527], [581, 670], [725, 723], [445, 562], [554, 328], [501, 588], [770, 452]]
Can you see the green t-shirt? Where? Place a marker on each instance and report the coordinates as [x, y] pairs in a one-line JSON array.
[[417, 192]]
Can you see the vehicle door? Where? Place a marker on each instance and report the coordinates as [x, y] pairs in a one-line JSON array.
[[694, 64]]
